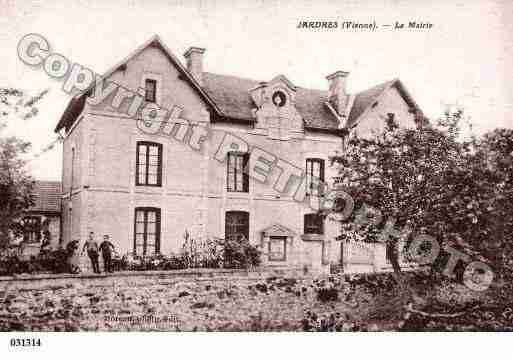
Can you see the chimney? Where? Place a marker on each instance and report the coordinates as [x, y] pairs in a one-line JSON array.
[[194, 58], [338, 96]]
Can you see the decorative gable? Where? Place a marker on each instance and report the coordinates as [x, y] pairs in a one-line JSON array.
[[278, 230], [276, 110]]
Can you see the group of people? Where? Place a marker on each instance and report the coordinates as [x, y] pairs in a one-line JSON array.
[[106, 248]]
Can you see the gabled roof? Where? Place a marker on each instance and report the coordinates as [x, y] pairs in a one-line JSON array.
[[229, 96], [47, 196], [365, 99], [76, 104], [232, 95], [278, 230]]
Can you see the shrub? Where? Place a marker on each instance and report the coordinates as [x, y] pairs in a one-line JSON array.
[[239, 253], [327, 294], [201, 253], [54, 261]]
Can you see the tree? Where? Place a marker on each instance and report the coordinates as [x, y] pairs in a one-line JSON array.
[[428, 180], [496, 148], [16, 184]]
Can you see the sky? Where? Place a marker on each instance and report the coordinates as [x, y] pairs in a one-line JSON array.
[[466, 58]]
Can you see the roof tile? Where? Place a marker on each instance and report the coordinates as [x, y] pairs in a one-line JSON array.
[[231, 94]]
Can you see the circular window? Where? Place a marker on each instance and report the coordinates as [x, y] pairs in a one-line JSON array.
[[279, 99]]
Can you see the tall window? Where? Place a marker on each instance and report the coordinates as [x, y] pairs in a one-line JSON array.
[[151, 90], [237, 225], [314, 224], [147, 231], [32, 229], [314, 176], [391, 122], [238, 180], [149, 164], [72, 171]]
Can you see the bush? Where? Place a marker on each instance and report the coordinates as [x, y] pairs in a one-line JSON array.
[[202, 253], [209, 253], [327, 294], [239, 253], [55, 261]]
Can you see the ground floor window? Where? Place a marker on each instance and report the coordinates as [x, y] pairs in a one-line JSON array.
[[32, 229], [277, 248], [147, 231], [314, 224], [237, 225]]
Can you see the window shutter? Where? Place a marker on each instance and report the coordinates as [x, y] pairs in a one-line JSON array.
[[245, 172], [157, 236]]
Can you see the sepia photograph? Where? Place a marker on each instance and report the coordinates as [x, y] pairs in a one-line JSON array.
[[255, 166]]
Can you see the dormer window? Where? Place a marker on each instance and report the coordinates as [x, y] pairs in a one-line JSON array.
[[150, 86], [279, 99]]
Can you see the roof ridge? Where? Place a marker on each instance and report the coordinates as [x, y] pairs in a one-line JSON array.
[[258, 81]]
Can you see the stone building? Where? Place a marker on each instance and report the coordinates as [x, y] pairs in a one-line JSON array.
[[145, 178]]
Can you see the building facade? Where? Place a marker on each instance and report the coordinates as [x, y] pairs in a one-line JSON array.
[[42, 221], [229, 157]]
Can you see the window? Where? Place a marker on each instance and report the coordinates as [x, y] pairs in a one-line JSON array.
[[151, 90], [148, 164], [391, 122], [237, 225], [314, 224], [314, 176], [277, 248], [237, 179], [32, 229], [147, 231], [72, 170], [279, 99]]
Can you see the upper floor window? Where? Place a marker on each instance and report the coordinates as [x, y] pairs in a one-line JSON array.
[[314, 176], [151, 90], [237, 179], [147, 231], [148, 164], [391, 121], [314, 224]]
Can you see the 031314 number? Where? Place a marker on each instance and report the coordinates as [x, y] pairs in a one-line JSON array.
[[25, 342]]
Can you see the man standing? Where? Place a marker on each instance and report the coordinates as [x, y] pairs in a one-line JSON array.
[[92, 251], [106, 247]]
